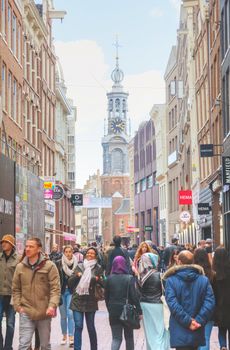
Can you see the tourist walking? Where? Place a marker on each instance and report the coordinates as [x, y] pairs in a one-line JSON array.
[[142, 249], [84, 303], [117, 251], [157, 337], [201, 258], [8, 262], [191, 301], [36, 294], [221, 265], [117, 286], [66, 266]]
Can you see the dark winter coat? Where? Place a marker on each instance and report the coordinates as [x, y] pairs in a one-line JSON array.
[[222, 311], [151, 290], [117, 251], [85, 303], [189, 295], [116, 287]]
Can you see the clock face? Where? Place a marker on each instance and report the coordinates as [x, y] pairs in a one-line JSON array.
[[117, 125]]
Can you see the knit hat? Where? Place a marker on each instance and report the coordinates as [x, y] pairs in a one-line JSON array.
[[8, 238]]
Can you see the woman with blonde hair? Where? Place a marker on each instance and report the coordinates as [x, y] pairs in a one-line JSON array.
[[142, 249]]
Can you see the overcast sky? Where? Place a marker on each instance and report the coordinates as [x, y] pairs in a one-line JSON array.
[[84, 45]]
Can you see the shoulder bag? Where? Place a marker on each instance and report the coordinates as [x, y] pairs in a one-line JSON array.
[[129, 316]]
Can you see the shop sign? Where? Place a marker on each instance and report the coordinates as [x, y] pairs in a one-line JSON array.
[[226, 170], [58, 193], [207, 150], [185, 216], [148, 228], [203, 208], [185, 197], [77, 199]]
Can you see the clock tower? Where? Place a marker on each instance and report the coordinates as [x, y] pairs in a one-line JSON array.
[[115, 178], [117, 128]]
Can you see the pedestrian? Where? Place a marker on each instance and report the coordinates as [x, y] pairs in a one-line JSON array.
[[221, 265], [168, 251], [36, 294], [66, 267], [201, 258], [84, 303], [143, 248], [55, 254], [132, 251], [157, 337], [117, 251], [191, 301], [116, 289], [76, 252], [8, 262], [173, 258]]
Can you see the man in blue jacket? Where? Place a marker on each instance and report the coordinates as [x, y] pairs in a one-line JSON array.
[[191, 302]]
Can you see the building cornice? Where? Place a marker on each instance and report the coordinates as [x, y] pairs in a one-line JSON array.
[[35, 21]]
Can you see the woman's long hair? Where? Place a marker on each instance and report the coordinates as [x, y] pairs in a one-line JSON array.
[[172, 261], [201, 258], [221, 263], [139, 250]]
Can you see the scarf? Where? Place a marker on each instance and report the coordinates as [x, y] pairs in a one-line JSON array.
[[83, 285], [66, 263], [119, 266], [147, 266]]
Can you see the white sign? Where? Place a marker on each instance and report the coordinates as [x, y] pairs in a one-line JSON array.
[[185, 216]]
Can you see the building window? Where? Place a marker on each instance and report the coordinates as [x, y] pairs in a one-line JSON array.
[[150, 181], [9, 94], [137, 187], [4, 86], [14, 111], [14, 34], [117, 160], [143, 185], [3, 18], [9, 26]]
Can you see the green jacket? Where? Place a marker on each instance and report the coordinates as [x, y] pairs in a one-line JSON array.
[[7, 268], [36, 290]]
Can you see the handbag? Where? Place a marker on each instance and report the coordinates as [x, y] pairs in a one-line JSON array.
[[99, 292], [129, 316], [166, 311]]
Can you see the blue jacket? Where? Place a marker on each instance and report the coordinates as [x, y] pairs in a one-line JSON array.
[[189, 295]]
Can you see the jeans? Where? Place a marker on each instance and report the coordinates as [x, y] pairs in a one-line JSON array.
[[10, 322], [208, 331], [26, 331], [78, 320], [222, 336], [66, 313], [117, 330]]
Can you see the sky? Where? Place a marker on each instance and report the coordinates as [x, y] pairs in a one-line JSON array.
[[84, 43]]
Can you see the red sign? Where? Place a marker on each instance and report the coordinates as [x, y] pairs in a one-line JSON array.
[[185, 197]]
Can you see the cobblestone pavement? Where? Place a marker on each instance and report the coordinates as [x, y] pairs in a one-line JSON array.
[[103, 333]]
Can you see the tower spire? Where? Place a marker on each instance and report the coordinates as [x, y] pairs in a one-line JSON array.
[[117, 74]]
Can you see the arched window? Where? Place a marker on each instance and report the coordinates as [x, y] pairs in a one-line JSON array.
[[111, 105], [117, 160]]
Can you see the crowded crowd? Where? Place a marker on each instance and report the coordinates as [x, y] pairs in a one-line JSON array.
[[177, 294]]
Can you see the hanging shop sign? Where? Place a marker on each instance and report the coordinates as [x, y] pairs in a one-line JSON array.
[[185, 197], [203, 208], [58, 193], [207, 150], [185, 216], [226, 170]]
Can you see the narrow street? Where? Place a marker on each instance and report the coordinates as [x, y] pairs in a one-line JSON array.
[[103, 332]]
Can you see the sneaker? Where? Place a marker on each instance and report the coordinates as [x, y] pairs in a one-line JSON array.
[[71, 342], [64, 340]]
